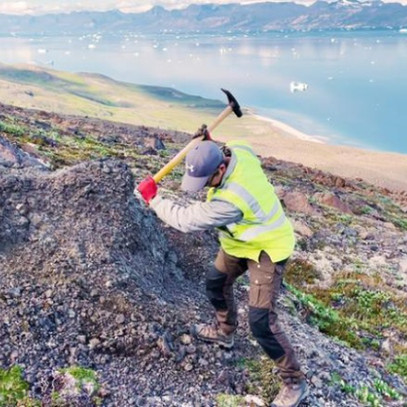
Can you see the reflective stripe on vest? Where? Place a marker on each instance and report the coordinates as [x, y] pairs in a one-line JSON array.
[[252, 203], [255, 231], [256, 221]]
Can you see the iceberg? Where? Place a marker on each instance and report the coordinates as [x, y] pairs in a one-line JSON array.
[[298, 87]]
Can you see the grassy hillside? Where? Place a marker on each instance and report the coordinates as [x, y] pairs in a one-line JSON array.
[[97, 96]]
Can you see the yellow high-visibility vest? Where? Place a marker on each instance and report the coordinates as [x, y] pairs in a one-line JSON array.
[[264, 225]]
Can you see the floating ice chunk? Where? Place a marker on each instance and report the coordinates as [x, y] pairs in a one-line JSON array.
[[298, 87], [42, 50]]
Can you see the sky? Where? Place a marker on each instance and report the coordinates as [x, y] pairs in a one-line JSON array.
[[34, 7]]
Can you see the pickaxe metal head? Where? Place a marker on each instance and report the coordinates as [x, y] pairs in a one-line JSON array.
[[233, 103]]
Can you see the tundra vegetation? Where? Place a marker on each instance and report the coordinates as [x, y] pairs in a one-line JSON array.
[[361, 307]]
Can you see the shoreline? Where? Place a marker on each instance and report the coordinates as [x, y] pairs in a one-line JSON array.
[[270, 137], [292, 131]]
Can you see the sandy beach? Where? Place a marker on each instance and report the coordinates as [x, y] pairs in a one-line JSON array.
[[277, 139]]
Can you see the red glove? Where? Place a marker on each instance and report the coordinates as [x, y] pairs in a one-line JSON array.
[[148, 189], [203, 131]]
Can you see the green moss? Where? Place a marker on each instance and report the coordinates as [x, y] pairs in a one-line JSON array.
[[373, 396], [28, 402], [373, 308], [55, 397], [83, 376], [400, 223], [386, 390], [228, 400], [72, 150], [13, 388], [12, 129], [301, 272], [242, 281], [327, 319], [399, 365], [365, 210], [356, 309], [262, 379], [391, 212]]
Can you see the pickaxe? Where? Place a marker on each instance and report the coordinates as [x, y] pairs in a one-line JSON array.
[[233, 106]]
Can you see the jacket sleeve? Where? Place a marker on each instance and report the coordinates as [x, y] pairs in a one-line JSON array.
[[195, 217]]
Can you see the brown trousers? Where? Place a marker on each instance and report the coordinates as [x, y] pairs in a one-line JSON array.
[[265, 283]]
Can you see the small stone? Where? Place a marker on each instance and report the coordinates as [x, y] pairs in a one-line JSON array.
[[120, 319], [191, 349], [93, 343], [15, 292], [35, 219], [203, 362], [387, 347], [81, 338], [316, 381], [14, 356], [254, 401], [186, 339], [71, 313], [223, 377], [188, 367], [22, 209], [22, 221]]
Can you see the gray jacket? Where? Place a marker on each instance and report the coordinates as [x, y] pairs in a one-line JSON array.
[[198, 216]]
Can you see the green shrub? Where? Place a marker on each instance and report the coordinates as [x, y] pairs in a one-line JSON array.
[[327, 319], [370, 395], [12, 129], [12, 386], [399, 365], [228, 400], [82, 376]]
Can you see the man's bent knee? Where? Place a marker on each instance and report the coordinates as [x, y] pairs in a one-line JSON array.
[[215, 282]]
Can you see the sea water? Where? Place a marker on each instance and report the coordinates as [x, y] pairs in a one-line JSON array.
[[356, 89]]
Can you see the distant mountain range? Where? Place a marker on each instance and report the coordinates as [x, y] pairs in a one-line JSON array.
[[209, 18]]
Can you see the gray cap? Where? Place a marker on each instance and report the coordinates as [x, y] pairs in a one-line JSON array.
[[200, 163]]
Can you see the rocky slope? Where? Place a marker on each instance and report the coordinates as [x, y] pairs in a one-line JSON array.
[[89, 277]]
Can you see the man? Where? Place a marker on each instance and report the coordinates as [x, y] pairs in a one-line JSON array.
[[254, 234]]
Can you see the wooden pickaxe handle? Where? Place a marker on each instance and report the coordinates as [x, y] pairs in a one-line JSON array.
[[176, 160], [180, 156]]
